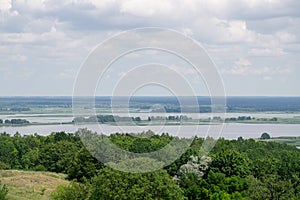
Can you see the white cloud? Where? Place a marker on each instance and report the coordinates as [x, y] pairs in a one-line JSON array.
[[67, 74], [188, 32], [19, 57], [243, 62], [5, 5], [32, 5], [59, 34], [253, 9], [17, 38], [286, 36], [145, 8], [184, 70], [267, 52], [267, 78], [103, 4], [232, 31], [245, 71]]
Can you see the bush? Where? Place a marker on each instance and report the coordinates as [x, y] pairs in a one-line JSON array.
[[3, 191], [72, 191], [4, 166], [112, 184], [265, 136]]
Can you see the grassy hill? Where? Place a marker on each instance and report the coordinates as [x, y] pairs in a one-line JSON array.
[[27, 185]]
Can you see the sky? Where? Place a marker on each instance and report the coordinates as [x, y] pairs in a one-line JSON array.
[[255, 44]]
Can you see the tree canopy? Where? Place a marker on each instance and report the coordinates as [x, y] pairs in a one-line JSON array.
[[233, 169], [265, 136]]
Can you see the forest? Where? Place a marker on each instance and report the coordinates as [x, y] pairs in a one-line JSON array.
[[233, 169]]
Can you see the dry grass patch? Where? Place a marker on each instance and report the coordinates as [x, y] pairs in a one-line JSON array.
[[31, 185]]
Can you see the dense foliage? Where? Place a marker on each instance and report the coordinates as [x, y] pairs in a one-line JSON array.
[[235, 169], [3, 191]]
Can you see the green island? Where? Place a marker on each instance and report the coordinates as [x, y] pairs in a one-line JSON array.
[[157, 120]]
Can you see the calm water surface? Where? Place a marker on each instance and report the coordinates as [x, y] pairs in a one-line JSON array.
[[230, 131], [50, 118]]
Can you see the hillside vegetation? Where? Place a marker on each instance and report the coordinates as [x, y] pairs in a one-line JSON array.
[[29, 185], [233, 169]]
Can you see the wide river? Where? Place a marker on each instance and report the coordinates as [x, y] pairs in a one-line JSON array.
[[228, 131], [50, 118]]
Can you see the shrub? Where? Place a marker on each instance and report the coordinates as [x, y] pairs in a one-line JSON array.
[[3, 191]]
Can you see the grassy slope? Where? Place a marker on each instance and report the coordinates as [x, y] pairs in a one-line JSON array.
[[30, 185]]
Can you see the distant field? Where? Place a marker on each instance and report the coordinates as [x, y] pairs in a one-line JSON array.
[[63, 105], [26, 185]]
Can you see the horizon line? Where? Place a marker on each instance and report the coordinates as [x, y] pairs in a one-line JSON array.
[[45, 96]]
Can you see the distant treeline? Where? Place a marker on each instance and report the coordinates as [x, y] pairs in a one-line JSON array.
[[15, 109], [247, 118], [115, 118], [166, 104], [14, 121], [263, 104]]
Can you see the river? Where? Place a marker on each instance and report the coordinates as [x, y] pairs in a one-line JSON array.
[[230, 130], [50, 118]]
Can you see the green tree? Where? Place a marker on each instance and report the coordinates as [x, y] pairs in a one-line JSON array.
[[31, 159], [73, 191], [194, 188], [270, 187], [231, 163], [265, 136], [8, 151], [111, 184], [84, 165], [57, 157]]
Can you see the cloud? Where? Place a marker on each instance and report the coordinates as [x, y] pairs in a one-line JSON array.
[[267, 52], [67, 74], [253, 9], [267, 78], [5, 5], [19, 57], [184, 70], [228, 31], [285, 36], [57, 35], [145, 8], [18, 73], [245, 71], [243, 62]]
